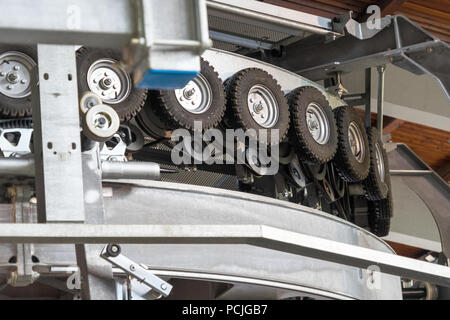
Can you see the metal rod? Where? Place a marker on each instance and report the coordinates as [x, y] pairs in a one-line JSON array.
[[368, 97], [257, 235], [110, 170], [380, 106]]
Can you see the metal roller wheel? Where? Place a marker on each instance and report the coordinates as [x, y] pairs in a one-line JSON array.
[[313, 127], [100, 123], [16, 63], [137, 139], [201, 100], [99, 72], [255, 102], [296, 173], [89, 100]]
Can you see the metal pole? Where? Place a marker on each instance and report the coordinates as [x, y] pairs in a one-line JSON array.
[[380, 106], [368, 97]]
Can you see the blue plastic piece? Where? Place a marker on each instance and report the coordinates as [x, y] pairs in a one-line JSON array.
[[166, 79]]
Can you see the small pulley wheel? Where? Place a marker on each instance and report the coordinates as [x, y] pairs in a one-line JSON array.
[[113, 250], [100, 123], [89, 100], [296, 173], [137, 140]]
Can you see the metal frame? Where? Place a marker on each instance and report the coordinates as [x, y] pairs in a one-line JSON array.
[[261, 236], [60, 27]]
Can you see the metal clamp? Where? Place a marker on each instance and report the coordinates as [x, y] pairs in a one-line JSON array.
[[112, 254]]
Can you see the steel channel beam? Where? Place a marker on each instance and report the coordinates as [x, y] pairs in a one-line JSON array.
[[57, 135], [105, 23], [261, 236], [100, 23], [269, 16]]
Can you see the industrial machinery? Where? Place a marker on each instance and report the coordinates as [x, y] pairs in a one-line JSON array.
[[320, 213]]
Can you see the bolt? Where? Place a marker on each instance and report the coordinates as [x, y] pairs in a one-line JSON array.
[[2, 74], [252, 100], [258, 107], [9, 87], [188, 94], [114, 249], [12, 77], [16, 68], [23, 81], [132, 267], [106, 83], [163, 286]]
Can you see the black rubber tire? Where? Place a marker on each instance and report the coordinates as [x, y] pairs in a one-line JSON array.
[[126, 109], [380, 214], [174, 116], [149, 121], [238, 115], [309, 150], [348, 167], [11, 107], [374, 187]]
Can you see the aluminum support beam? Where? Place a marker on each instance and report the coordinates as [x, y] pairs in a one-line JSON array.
[[96, 274], [57, 135], [261, 236], [269, 16], [100, 23]]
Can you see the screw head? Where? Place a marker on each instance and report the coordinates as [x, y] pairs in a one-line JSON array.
[[163, 286], [132, 267]]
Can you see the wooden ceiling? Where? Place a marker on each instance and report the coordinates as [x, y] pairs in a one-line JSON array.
[[432, 145], [432, 15]]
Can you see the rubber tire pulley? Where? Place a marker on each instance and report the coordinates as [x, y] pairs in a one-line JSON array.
[[380, 214], [168, 109], [374, 187], [348, 166], [126, 109], [309, 149], [238, 114], [17, 107]]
